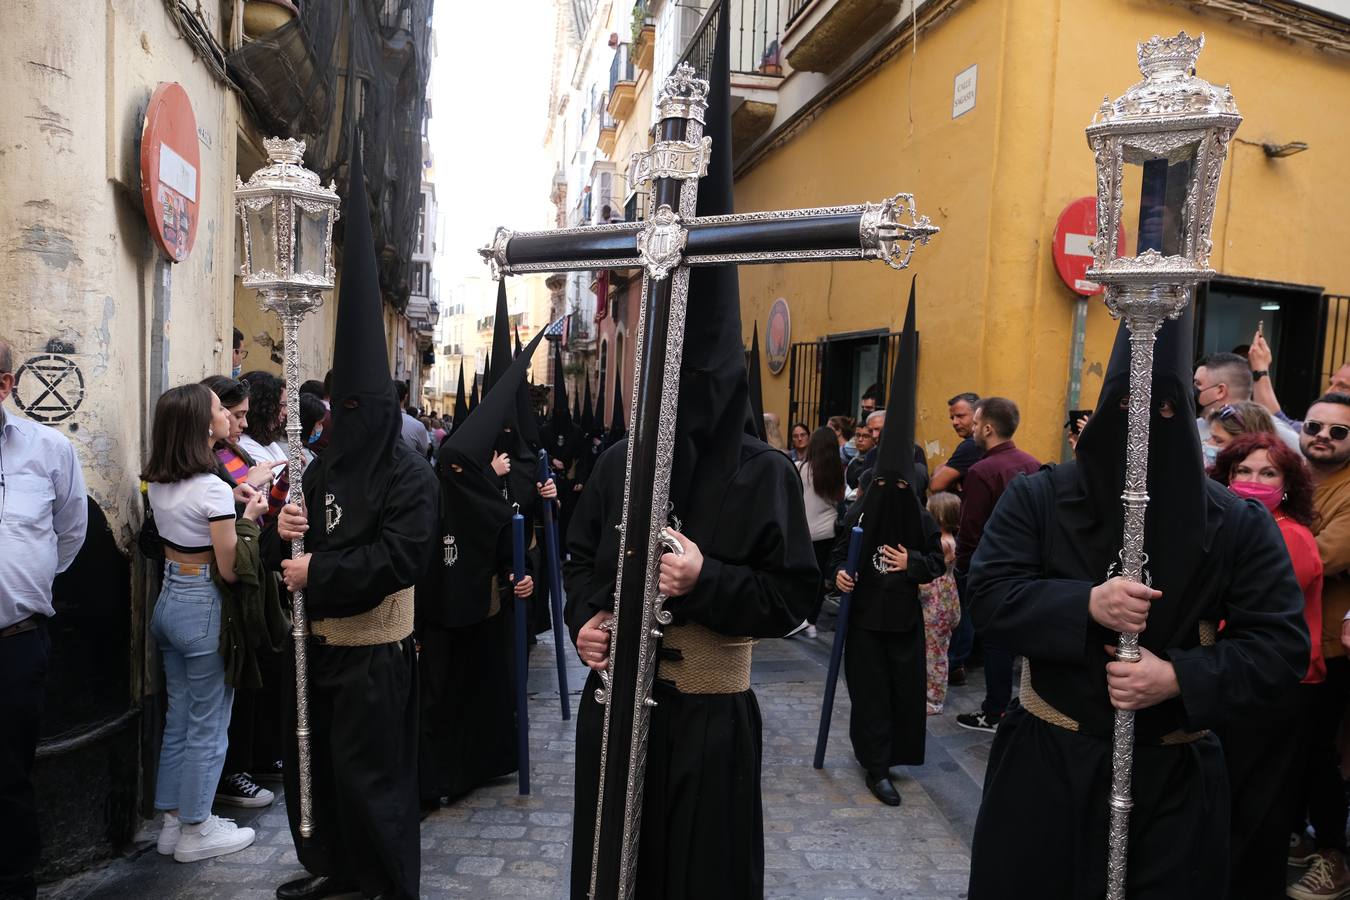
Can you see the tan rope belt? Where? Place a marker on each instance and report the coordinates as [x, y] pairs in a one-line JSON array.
[[1035, 704], [387, 623], [710, 663]]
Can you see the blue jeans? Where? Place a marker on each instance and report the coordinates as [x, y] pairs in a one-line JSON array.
[[186, 626], [963, 638]]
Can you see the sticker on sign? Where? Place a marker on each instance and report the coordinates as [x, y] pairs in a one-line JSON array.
[[177, 172], [1078, 244]]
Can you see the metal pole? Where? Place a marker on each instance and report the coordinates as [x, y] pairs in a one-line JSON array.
[[1076, 346], [295, 464]]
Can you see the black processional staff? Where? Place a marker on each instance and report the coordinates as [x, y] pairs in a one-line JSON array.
[[553, 560], [522, 649], [837, 651]]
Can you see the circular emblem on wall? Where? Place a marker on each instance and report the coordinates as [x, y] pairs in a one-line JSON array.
[[49, 388], [779, 336]]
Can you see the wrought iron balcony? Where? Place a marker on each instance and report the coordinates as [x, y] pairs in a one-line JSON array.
[[622, 83], [756, 27], [644, 35]]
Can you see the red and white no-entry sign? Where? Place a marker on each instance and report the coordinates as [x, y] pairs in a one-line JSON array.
[[1074, 234]]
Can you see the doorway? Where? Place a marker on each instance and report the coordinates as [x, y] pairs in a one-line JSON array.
[[1229, 311]]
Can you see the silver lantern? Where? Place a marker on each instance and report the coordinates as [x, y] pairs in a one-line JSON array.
[[1175, 128], [288, 217]]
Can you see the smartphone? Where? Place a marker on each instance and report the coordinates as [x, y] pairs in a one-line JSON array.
[[1074, 416]]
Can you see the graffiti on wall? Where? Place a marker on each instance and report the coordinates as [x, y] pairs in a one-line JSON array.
[[49, 387]]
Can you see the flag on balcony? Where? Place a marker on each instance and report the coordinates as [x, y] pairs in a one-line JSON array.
[[601, 294]]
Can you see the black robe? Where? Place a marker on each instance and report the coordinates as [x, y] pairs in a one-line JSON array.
[[884, 651], [466, 626], [1041, 830], [363, 700], [703, 829]]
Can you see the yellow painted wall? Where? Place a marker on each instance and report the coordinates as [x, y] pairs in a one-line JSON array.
[[993, 314]]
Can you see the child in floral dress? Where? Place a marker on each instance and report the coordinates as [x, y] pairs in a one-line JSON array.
[[941, 606]]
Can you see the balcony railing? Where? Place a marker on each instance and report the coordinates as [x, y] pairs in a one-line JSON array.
[[795, 9], [756, 27], [621, 69]]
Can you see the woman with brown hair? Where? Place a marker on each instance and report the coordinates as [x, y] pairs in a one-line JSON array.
[[822, 490], [1266, 758], [194, 513]]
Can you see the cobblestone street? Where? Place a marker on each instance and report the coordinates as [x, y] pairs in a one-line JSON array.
[[825, 836]]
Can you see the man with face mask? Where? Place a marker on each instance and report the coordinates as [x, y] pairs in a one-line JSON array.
[[901, 549], [372, 500], [1041, 586]]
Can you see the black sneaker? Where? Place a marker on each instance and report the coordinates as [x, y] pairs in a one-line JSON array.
[[239, 790], [977, 721], [957, 677]]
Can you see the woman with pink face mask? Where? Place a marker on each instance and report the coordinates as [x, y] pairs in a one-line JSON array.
[[1267, 758]]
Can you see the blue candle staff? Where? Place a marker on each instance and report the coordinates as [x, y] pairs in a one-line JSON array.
[[522, 661], [837, 651], [553, 561]]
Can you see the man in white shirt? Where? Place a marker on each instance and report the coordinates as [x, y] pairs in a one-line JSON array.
[[43, 514]]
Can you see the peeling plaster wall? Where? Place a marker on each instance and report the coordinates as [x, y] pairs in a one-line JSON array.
[[77, 265], [79, 276]]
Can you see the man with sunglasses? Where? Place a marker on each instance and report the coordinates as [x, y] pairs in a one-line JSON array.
[[1325, 442]]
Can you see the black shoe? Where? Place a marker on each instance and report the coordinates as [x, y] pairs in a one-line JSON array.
[[977, 722], [313, 887], [270, 772], [957, 677], [883, 790]]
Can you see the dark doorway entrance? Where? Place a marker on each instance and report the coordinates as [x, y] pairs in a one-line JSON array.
[[827, 377], [1228, 312]]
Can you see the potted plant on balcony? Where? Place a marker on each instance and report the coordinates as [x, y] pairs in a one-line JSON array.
[[644, 36]]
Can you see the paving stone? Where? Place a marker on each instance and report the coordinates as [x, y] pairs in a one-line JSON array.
[[825, 835], [480, 865]]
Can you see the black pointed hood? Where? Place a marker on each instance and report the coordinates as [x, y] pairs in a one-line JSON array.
[[896, 454], [473, 508], [891, 510], [478, 434], [600, 408], [518, 345], [357, 465], [501, 341], [713, 386], [587, 411], [563, 435], [1176, 519], [576, 409], [473, 395], [618, 423], [461, 404], [757, 427]]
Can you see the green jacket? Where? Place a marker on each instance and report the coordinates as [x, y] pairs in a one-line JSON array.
[[252, 617]]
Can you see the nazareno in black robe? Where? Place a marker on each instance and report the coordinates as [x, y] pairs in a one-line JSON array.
[[465, 624], [884, 651], [702, 821], [1042, 825], [371, 505]]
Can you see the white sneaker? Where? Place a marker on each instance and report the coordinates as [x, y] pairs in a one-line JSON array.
[[811, 631], [213, 837], [168, 835]]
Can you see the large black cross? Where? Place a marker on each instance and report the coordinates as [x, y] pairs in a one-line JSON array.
[[666, 246]]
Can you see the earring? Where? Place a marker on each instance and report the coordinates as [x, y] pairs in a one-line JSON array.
[[210, 432]]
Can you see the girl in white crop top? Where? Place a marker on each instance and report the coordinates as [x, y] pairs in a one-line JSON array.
[[194, 507]]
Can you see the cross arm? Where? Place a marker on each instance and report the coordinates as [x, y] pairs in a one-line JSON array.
[[889, 231]]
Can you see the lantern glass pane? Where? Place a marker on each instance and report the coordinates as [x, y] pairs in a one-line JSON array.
[[262, 239], [311, 243], [1163, 181]]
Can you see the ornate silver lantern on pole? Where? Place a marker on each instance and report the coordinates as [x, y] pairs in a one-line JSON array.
[[1175, 128], [288, 218]]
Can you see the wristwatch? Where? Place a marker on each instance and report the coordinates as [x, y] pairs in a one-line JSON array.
[[1258, 374]]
